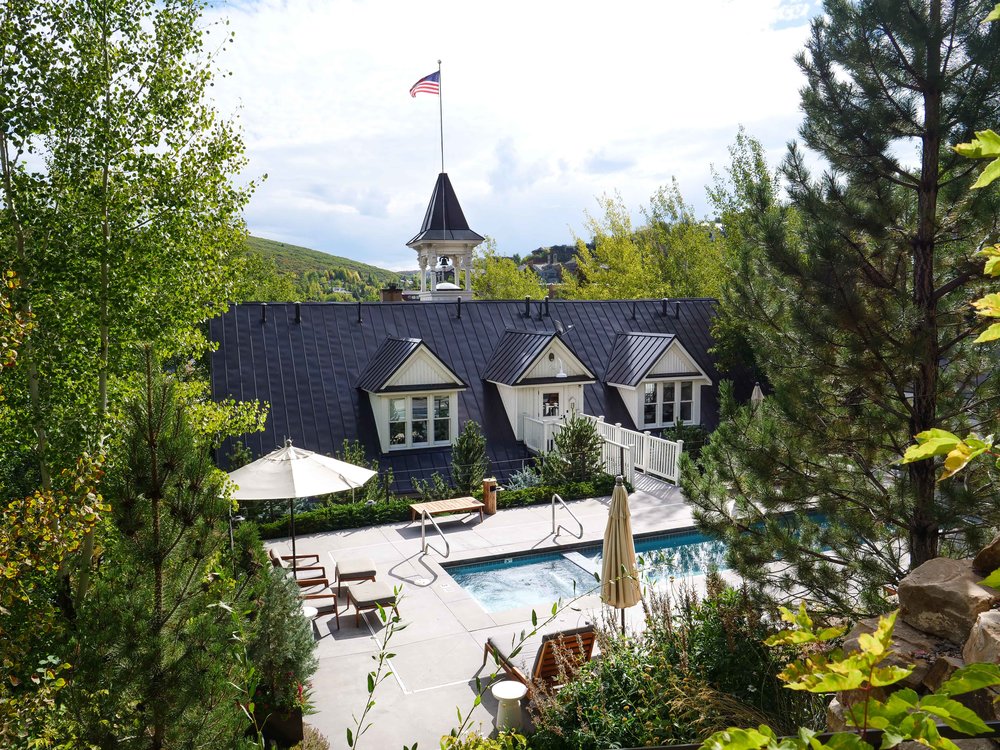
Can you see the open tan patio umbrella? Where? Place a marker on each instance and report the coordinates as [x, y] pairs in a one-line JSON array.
[[290, 472], [619, 574]]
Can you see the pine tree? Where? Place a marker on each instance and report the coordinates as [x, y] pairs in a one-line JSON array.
[[576, 456], [156, 666], [854, 296], [468, 458]]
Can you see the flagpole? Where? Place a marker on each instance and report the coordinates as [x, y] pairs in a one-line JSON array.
[[441, 114]]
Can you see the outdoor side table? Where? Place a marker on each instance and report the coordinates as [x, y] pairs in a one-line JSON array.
[[509, 694]]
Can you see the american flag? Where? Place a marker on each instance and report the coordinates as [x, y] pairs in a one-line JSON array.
[[427, 85]]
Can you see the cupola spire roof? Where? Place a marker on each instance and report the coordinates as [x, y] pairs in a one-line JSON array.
[[444, 219]]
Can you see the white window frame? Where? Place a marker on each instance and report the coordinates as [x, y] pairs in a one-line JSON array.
[[669, 391], [430, 419]]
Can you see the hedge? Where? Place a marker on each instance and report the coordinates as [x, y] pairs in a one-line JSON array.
[[337, 516]]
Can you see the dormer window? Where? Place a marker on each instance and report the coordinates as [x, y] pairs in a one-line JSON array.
[[540, 379], [420, 421], [659, 382], [668, 403], [413, 395]]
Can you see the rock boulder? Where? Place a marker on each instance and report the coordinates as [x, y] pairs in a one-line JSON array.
[[943, 597]]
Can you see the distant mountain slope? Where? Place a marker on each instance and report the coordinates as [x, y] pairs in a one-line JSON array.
[[300, 260], [321, 277]]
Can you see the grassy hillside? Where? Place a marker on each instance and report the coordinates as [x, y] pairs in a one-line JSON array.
[[319, 276], [300, 260]]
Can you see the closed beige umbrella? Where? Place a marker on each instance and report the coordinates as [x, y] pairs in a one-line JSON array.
[[619, 574]]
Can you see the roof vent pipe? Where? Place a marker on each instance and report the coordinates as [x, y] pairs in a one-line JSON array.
[[263, 312], [459, 300], [359, 311], [663, 307], [527, 306], [633, 309], [677, 309], [298, 312], [546, 306]]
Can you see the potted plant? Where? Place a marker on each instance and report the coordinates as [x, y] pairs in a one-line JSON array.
[[280, 649]]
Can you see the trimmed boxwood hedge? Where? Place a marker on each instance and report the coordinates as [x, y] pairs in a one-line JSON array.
[[358, 515]]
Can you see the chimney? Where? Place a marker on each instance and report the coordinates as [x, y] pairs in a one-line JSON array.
[[391, 293]]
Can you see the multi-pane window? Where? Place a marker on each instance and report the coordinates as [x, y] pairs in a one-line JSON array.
[[397, 421], [442, 419], [667, 403], [649, 399], [418, 421], [686, 400]]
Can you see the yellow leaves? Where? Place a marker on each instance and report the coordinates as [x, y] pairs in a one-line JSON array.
[[989, 306], [957, 452], [834, 671], [986, 145], [802, 632]]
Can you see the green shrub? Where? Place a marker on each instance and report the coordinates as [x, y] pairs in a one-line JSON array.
[[435, 488], [699, 667], [693, 435], [526, 477], [507, 740], [359, 515]]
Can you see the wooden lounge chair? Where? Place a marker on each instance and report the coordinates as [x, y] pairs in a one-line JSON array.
[[313, 599], [310, 571], [571, 648]]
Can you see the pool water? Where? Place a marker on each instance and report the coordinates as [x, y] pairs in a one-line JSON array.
[[539, 579]]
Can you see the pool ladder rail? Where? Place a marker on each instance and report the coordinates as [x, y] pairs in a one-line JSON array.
[[555, 528], [426, 545]]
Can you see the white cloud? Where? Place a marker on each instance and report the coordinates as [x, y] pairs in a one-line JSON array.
[[546, 105]]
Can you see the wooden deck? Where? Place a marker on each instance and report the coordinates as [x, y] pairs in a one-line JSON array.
[[452, 505]]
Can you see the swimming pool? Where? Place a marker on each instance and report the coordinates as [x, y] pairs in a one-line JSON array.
[[538, 579]]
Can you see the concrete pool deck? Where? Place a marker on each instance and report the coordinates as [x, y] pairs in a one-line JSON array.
[[439, 653]]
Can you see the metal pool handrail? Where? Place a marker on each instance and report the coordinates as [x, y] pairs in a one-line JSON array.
[[424, 544], [555, 528]]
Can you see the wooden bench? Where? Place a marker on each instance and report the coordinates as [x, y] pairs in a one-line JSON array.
[[453, 505]]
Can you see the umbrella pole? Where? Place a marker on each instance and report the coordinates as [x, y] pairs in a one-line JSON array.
[[623, 621], [291, 507]]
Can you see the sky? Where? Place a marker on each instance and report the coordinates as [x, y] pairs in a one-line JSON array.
[[547, 106]]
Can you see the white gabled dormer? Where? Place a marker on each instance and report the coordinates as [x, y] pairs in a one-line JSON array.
[[540, 379], [659, 381], [413, 395]]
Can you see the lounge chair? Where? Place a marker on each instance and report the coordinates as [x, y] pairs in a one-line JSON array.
[[312, 599], [281, 561], [567, 647]]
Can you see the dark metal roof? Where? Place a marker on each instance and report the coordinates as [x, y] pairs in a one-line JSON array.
[[633, 355], [387, 360], [444, 219], [309, 371], [514, 355]]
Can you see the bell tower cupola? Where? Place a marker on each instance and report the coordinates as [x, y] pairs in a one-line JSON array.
[[445, 237]]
